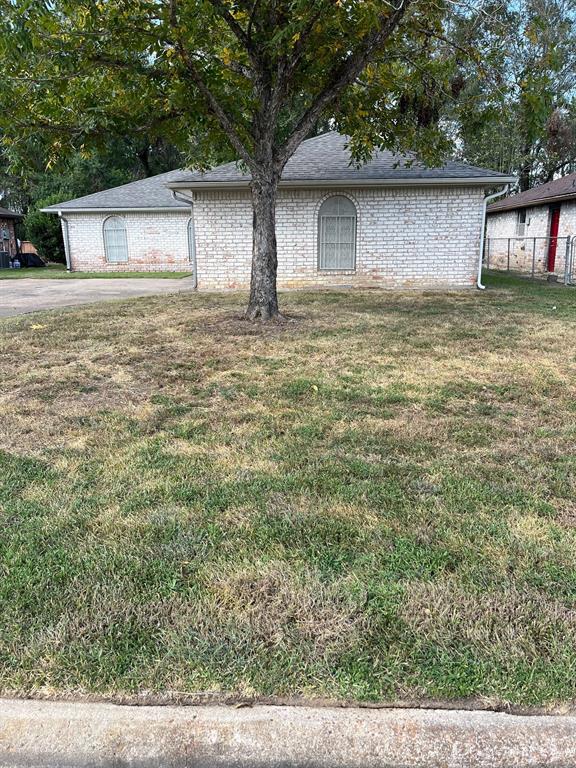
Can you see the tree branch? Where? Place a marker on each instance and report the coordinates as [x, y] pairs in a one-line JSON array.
[[251, 19], [299, 46], [343, 75], [428, 33], [236, 29], [213, 104], [226, 122], [287, 66]]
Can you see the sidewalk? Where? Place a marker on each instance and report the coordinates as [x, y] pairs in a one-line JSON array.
[[63, 734]]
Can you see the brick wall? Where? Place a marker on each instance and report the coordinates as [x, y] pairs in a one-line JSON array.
[[406, 238], [8, 224], [525, 252], [157, 242]]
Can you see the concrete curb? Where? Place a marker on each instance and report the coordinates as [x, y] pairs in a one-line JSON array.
[[62, 734]]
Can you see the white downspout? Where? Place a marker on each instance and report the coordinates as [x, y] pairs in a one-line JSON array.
[[483, 231], [184, 199], [64, 226]]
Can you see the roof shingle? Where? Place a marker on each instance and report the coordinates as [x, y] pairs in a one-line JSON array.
[[145, 193], [564, 188], [6, 214], [319, 160], [327, 158]]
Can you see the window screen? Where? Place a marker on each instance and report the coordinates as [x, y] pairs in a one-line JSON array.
[[337, 233], [115, 242], [521, 223]]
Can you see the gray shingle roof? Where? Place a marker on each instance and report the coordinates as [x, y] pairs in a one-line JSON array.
[[560, 189], [6, 214], [319, 160], [146, 193], [325, 158]]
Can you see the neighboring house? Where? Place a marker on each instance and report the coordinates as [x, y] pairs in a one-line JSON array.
[[530, 231], [391, 223], [8, 242]]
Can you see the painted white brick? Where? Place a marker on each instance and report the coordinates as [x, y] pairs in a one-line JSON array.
[[406, 237], [411, 237], [157, 242], [527, 251]]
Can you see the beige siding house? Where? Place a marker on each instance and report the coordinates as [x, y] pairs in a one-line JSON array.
[[390, 223]]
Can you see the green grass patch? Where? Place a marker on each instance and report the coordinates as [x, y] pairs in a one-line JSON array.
[[58, 272], [376, 500]]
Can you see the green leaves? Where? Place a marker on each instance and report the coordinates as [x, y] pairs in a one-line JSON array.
[[78, 70], [529, 52]]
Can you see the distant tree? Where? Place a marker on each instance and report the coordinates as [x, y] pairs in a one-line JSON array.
[[520, 116]]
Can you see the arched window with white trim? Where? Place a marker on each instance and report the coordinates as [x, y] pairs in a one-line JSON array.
[[115, 240], [337, 234]]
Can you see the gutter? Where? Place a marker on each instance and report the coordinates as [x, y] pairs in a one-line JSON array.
[[488, 181], [487, 200], [64, 225], [185, 199], [111, 210]]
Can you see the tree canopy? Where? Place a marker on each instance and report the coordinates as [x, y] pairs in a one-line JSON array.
[[253, 78], [521, 117], [198, 72]]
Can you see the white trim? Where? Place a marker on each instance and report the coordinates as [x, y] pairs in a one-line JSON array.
[[486, 181], [112, 211], [106, 242], [317, 208], [66, 237]]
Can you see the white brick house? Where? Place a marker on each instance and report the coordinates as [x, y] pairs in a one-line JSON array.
[[533, 230], [389, 223]]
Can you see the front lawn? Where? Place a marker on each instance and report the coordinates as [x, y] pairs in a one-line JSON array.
[[374, 501], [58, 272]]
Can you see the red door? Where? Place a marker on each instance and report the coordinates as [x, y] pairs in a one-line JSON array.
[[553, 243]]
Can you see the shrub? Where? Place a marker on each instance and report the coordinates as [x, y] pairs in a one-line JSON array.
[[45, 232]]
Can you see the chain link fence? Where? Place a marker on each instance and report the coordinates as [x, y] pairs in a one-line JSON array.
[[537, 257]]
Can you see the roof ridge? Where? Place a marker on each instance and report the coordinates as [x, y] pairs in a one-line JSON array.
[[322, 135], [136, 181], [154, 177]]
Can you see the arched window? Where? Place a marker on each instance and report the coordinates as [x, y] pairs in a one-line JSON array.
[[115, 242], [191, 241], [337, 234]]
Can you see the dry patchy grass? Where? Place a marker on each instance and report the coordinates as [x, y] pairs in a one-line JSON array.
[[375, 500]]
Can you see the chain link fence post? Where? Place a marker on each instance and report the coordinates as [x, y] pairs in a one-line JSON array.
[[567, 262]]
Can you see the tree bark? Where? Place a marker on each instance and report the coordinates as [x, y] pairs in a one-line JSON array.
[[524, 177], [263, 303]]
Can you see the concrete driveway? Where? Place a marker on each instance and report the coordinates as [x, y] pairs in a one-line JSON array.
[[17, 297]]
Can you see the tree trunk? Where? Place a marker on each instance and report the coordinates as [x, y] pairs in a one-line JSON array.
[[144, 156], [263, 303], [524, 178], [525, 173]]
